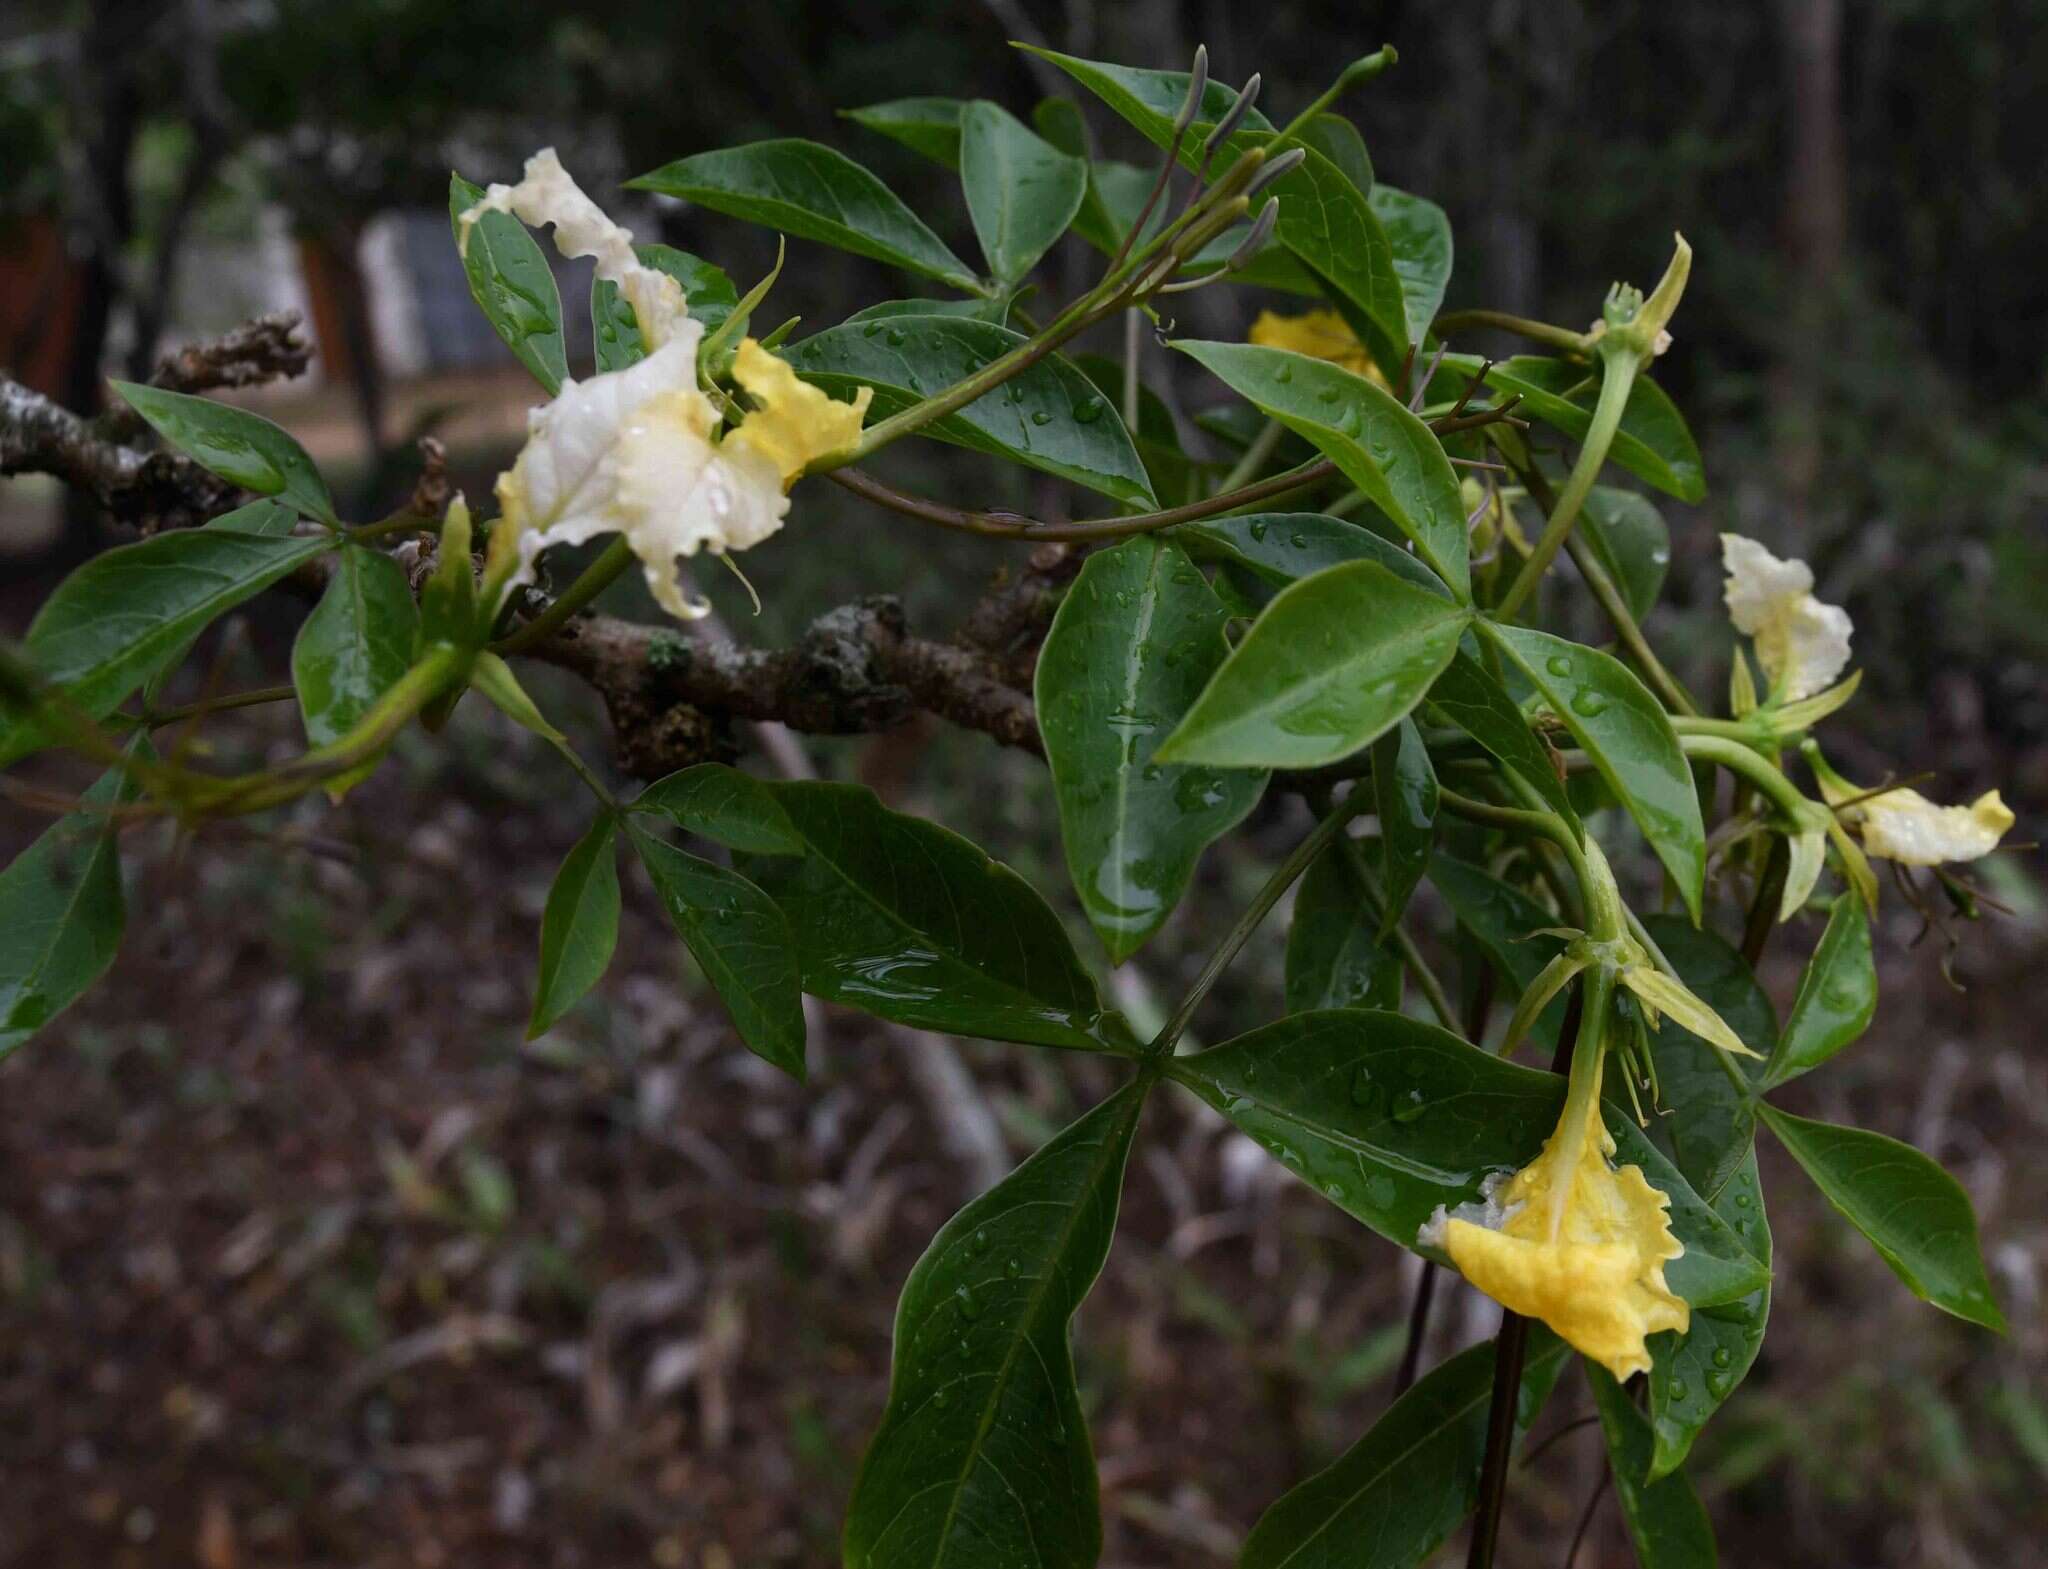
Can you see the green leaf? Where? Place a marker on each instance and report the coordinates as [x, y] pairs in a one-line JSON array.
[[724, 805], [242, 448], [1665, 1518], [1362, 428], [355, 644], [1697, 1371], [124, 616], [1469, 697], [1629, 738], [814, 193], [1131, 647], [1175, 477], [1022, 191], [1404, 793], [615, 330], [580, 927], [1419, 234], [1653, 442], [1389, 1117], [510, 279], [983, 1456], [1629, 536], [1909, 1209], [996, 311], [61, 914], [1336, 957], [897, 916], [1837, 996], [1330, 226], [1149, 100], [740, 939], [1049, 417], [1704, 1123], [1395, 1496], [1285, 547], [930, 126], [1334, 661], [1510, 927]]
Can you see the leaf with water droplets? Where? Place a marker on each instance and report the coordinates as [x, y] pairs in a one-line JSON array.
[[1133, 644], [1333, 663], [1627, 734], [1915, 1214], [1419, 235], [242, 448], [1335, 955], [1837, 996], [983, 1455], [909, 358], [1468, 695], [510, 280], [1511, 928], [615, 330], [1666, 1520], [1630, 538], [1022, 191], [1404, 792], [1285, 547]]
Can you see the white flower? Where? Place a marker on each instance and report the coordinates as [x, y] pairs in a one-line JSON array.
[[1801, 643], [1903, 825]]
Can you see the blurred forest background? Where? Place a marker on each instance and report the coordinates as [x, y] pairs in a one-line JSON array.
[[305, 1258]]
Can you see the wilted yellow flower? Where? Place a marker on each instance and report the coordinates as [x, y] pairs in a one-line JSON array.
[[637, 451], [1801, 643], [1573, 1241], [1903, 825], [1321, 335]]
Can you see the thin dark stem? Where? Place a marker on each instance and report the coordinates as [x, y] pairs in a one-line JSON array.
[[1007, 525], [1586, 1519], [1542, 1446], [594, 579], [1418, 1330], [1763, 909]]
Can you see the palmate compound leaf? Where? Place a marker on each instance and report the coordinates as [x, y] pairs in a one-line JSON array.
[[1049, 417], [983, 1459], [1132, 646], [1392, 1498], [1334, 662], [1389, 1117], [897, 916]]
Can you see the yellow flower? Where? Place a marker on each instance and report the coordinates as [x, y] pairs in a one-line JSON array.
[[1320, 334], [1801, 643], [1903, 825], [1573, 1241], [637, 451]]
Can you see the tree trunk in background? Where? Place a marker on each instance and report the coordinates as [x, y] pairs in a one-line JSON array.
[[1816, 229]]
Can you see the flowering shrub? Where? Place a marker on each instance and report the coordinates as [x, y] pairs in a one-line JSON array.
[[1372, 647]]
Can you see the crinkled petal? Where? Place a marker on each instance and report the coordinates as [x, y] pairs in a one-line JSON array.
[[678, 494], [1903, 825], [1320, 334], [547, 194], [793, 423], [1801, 643]]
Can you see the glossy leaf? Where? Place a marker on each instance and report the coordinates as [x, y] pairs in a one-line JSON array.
[[1149, 100], [1419, 235], [810, 191], [127, 614], [1665, 1518], [580, 927], [1510, 927], [615, 331], [1285, 547], [62, 912], [511, 281], [895, 915], [1049, 417], [1022, 191], [930, 126], [1705, 1124], [1395, 1496], [1389, 1117], [1909, 1209], [983, 1457], [1372, 438], [242, 448], [1469, 697], [1629, 738], [1837, 995], [1130, 649], [1404, 793], [741, 940], [1653, 442], [1330, 226], [1631, 540], [355, 644], [1336, 957], [724, 805], [1697, 1371], [1335, 661]]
